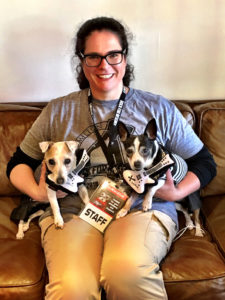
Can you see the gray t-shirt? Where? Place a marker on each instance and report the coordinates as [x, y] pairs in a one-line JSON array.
[[68, 118]]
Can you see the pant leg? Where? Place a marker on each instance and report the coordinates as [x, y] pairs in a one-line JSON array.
[[73, 257], [133, 248]]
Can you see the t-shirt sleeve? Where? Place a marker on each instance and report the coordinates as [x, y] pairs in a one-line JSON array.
[[39, 132], [175, 132]]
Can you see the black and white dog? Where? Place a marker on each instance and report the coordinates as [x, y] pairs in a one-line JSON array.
[[149, 162]]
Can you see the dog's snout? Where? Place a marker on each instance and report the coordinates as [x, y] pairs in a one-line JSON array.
[[137, 164], [60, 180]]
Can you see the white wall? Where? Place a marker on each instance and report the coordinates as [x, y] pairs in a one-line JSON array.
[[178, 50]]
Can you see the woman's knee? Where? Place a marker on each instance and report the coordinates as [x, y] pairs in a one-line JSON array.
[[126, 273], [127, 280], [70, 287]]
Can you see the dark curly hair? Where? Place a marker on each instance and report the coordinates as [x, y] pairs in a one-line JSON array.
[[101, 23]]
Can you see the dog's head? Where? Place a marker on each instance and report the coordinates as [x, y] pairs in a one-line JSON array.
[[60, 159], [141, 150]]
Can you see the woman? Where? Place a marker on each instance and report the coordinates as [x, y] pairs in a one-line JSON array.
[[125, 259]]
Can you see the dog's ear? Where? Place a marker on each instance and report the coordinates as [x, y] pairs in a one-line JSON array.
[[45, 146], [123, 132], [151, 129], [72, 145]]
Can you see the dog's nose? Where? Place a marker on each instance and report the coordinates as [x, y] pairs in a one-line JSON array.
[[137, 165], [60, 180]]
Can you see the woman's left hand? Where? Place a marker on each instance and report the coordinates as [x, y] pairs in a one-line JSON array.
[[169, 191]]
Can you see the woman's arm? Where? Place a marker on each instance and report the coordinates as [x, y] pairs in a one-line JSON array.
[[20, 171], [201, 170], [22, 177]]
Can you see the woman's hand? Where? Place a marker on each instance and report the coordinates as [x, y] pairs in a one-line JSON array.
[[171, 192], [168, 191]]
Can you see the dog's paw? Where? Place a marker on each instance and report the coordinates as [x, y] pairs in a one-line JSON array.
[[59, 223], [19, 235], [199, 232], [122, 213], [190, 225], [146, 207]]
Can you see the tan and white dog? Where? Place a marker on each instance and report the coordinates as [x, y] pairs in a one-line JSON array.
[[61, 162]]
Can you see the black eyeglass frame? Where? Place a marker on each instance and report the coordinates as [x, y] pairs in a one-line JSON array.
[[83, 56]]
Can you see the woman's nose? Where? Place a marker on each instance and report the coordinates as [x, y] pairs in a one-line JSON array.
[[104, 63]]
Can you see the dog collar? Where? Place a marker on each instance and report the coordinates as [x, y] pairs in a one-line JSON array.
[[73, 179]]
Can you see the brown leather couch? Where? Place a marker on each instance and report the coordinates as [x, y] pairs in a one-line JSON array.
[[194, 267]]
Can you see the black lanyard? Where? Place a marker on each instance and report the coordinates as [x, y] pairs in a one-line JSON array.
[[108, 151]]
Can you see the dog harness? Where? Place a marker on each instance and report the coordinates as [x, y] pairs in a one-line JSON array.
[[138, 179], [73, 179]]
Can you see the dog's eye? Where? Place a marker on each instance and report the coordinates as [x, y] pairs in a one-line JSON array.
[[67, 161], [144, 151], [51, 162], [129, 152]]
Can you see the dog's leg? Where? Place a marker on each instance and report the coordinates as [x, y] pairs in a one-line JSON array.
[[24, 226], [58, 220], [188, 221], [198, 230], [20, 233], [83, 193], [147, 203], [33, 216], [123, 211]]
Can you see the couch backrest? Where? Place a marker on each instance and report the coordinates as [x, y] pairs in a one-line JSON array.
[[211, 130]]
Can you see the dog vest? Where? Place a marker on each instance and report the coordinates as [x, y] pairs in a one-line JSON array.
[[138, 179]]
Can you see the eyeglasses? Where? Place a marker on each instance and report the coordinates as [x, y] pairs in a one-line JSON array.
[[112, 58]]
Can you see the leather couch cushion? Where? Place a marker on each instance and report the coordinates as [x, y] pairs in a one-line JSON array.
[[13, 127], [23, 272], [213, 209], [211, 130], [194, 269]]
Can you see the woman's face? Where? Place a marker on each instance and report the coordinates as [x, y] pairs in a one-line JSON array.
[[106, 81]]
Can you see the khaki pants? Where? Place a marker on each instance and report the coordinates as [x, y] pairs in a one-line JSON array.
[[124, 261]]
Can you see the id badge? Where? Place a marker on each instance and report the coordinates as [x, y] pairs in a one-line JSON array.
[[104, 204]]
